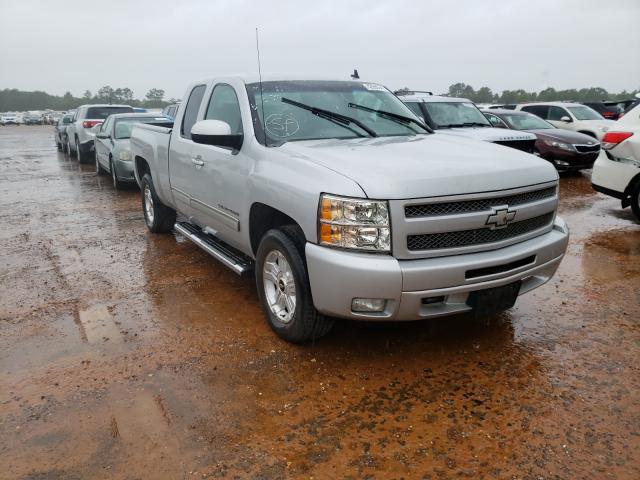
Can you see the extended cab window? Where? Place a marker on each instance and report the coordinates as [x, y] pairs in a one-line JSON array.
[[224, 106], [191, 111]]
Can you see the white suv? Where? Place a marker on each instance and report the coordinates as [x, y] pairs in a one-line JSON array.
[[570, 116], [79, 137], [617, 169], [460, 117]]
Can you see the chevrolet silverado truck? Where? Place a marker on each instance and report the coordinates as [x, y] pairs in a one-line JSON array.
[[343, 204]]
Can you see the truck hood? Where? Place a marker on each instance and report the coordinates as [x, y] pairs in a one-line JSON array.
[[487, 134], [425, 165]]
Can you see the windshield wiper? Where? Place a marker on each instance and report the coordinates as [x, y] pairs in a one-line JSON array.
[[476, 124], [337, 118], [392, 116]]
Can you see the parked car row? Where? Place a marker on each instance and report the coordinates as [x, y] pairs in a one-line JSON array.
[[29, 118]]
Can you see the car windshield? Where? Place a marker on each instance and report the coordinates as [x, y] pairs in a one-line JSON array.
[[125, 125], [455, 114], [311, 110], [100, 113], [525, 122], [585, 113]]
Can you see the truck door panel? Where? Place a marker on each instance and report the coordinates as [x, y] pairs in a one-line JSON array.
[[182, 172]]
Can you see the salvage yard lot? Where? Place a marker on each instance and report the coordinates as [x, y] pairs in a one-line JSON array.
[[130, 355]]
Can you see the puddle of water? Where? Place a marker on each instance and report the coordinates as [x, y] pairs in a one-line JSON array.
[[96, 325]]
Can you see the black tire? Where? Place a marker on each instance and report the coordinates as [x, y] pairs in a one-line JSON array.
[[72, 153], [82, 157], [164, 218], [307, 323], [635, 199], [117, 184], [99, 170]]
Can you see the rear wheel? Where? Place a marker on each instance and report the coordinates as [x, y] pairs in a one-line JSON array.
[[635, 199], [82, 157], [99, 170], [158, 217], [283, 287]]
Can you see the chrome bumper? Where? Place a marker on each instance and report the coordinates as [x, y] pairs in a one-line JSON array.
[[337, 277]]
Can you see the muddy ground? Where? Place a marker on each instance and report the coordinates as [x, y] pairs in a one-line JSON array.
[[129, 355]]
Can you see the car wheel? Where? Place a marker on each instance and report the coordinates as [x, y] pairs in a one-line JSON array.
[[81, 156], [635, 199], [117, 184], [283, 287], [59, 145], [158, 217], [99, 170]]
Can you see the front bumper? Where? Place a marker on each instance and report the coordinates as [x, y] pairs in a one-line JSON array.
[[337, 277]]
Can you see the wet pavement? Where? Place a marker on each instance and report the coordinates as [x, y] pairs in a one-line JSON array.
[[129, 355]]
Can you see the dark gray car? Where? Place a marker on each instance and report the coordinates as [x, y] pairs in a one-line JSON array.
[[113, 150]]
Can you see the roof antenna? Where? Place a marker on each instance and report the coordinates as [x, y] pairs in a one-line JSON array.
[[355, 74], [264, 121]]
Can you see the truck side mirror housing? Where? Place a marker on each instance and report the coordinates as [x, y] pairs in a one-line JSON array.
[[565, 119], [217, 133]]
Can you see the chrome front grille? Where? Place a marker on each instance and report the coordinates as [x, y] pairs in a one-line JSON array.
[[479, 236], [454, 208]]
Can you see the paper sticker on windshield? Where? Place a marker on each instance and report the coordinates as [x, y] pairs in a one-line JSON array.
[[160, 119], [373, 86]]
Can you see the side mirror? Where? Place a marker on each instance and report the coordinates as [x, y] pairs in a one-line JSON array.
[[566, 119], [103, 135], [217, 133]]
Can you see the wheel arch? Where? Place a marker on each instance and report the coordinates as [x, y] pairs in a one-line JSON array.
[[263, 218]]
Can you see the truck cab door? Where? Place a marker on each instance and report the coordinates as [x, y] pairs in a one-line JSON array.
[[182, 170], [219, 184]]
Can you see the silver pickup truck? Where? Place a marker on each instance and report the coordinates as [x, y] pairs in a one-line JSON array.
[[344, 204]]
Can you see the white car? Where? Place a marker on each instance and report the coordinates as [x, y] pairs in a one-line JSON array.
[[9, 118], [461, 118], [617, 169], [570, 116]]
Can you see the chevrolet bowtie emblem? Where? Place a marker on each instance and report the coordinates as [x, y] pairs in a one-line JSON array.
[[500, 218]]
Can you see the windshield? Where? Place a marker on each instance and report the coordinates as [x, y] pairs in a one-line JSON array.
[[314, 110], [125, 125], [525, 122], [455, 114], [100, 113], [585, 113]]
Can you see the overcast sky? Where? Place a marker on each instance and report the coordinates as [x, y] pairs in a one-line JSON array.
[[72, 45]]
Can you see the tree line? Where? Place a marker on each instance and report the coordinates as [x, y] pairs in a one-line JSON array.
[[18, 100], [486, 95]]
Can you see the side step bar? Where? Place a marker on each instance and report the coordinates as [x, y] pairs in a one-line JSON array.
[[224, 253]]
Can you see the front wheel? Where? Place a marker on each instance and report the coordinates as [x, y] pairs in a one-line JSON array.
[[158, 217], [117, 184], [99, 170], [283, 287]]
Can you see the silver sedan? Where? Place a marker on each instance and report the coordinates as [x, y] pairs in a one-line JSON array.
[[112, 145]]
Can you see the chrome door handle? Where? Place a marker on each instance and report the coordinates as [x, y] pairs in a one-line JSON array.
[[197, 161]]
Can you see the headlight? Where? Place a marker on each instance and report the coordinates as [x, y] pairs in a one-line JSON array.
[[560, 145], [354, 223], [124, 155]]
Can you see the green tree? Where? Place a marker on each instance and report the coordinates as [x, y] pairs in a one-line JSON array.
[[153, 98], [484, 95]]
